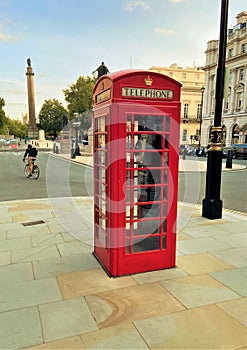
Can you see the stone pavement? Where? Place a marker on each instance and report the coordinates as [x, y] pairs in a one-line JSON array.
[[55, 295]]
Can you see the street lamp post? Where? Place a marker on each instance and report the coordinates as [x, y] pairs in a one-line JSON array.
[[212, 204], [200, 120], [76, 124]]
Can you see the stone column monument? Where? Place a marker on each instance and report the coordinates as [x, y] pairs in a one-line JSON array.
[[32, 128]]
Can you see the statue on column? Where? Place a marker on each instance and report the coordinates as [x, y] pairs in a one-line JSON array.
[[29, 62]]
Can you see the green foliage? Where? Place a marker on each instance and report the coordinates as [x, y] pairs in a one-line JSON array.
[[51, 117], [9, 126], [79, 97], [16, 128], [2, 115]]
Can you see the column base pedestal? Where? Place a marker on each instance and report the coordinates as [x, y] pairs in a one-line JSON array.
[[212, 208]]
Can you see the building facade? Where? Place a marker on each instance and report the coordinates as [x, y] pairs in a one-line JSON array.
[[192, 80], [234, 113]]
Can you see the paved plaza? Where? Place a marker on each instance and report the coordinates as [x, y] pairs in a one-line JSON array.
[[55, 295]]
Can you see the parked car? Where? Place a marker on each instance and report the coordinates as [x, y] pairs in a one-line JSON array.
[[85, 141], [13, 144], [239, 150], [2, 142]]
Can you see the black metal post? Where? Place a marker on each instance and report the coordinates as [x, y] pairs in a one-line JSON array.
[[200, 121], [212, 204]]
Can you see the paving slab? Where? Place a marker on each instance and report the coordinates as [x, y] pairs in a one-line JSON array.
[[200, 245], [34, 254], [237, 309], [235, 279], [15, 244], [16, 273], [5, 258], [46, 240], [65, 264], [198, 264], [234, 240], [131, 303], [20, 328], [66, 343], [160, 275], [66, 318], [234, 256], [198, 290], [28, 293], [74, 247], [119, 337], [207, 327], [83, 283]]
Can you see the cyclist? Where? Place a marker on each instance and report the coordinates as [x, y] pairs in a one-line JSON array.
[[31, 154]]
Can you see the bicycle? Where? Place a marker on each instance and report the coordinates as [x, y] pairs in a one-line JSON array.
[[35, 172]]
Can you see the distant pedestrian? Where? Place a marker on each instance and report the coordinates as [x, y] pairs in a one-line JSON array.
[[102, 70]]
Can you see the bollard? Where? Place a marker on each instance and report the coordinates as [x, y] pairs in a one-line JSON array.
[[72, 153], [229, 159]]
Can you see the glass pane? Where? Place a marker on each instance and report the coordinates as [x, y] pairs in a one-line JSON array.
[[128, 141], [165, 193], [127, 213], [147, 227], [102, 222], [165, 159], [149, 194], [165, 209], [164, 242], [167, 123], [149, 211], [147, 244], [127, 196], [164, 225], [167, 141], [165, 176], [102, 174], [127, 248], [149, 122], [101, 157]]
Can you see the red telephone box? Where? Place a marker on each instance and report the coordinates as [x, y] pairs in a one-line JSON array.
[[136, 142]]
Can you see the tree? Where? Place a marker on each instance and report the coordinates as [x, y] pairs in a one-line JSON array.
[[80, 99], [16, 128], [2, 115], [51, 117]]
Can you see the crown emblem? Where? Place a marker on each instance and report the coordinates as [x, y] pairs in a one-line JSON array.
[[148, 81]]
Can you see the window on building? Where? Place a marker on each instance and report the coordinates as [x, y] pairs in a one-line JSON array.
[[244, 48], [170, 74], [199, 111], [197, 76], [227, 102], [184, 75], [230, 53], [186, 110], [241, 74], [184, 137], [239, 100]]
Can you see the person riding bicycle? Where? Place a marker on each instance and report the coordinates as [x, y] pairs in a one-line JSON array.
[[31, 154]]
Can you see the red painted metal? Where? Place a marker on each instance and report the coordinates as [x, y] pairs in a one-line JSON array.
[[136, 141]]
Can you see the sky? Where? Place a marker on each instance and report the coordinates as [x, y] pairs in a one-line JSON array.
[[66, 39]]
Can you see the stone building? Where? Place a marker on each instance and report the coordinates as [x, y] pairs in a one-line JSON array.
[[192, 80], [234, 113]]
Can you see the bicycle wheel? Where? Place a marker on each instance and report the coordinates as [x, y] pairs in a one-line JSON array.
[[36, 172], [26, 170]]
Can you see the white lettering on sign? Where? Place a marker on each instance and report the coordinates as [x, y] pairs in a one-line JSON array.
[[103, 96], [146, 93]]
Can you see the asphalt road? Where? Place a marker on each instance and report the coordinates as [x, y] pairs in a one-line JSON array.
[[60, 178]]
